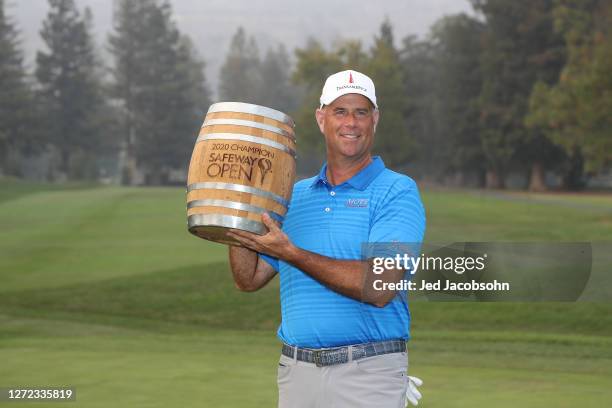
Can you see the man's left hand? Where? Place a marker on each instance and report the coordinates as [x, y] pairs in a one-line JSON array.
[[412, 393], [275, 243]]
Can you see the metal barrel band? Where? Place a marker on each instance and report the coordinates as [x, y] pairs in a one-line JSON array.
[[226, 221], [258, 110], [249, 123], [247, 138], [241, 188], [234, 205]]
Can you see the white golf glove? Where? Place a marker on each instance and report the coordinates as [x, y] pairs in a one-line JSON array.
[[412, 393]]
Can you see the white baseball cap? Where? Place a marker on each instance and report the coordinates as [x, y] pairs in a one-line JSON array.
[[346, 82]]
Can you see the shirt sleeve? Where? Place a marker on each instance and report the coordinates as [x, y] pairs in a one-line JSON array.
[[272, 261]]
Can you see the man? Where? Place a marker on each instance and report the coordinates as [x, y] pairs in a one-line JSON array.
[[344, 343]]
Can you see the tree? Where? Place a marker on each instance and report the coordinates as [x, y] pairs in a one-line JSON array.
[[519, 48], [69, 87], [313, 65], [352, 54], [240, 77], [276, 90], [127, 44], [575, 112], [160, 85], [16, 104], [456, 83], [417, 59], [244, 77], [392, 139]]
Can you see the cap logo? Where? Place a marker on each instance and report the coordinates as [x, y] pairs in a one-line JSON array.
[[350, 77], [361, 88]]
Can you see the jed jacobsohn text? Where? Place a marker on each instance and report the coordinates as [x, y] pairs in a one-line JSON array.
[[448, 285]]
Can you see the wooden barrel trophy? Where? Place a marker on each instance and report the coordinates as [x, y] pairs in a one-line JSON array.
[[243, 164]]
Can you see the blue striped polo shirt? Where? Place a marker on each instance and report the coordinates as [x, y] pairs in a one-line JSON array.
[[375, 205]]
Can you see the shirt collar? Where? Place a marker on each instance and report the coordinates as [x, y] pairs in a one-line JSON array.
[[361, 180]]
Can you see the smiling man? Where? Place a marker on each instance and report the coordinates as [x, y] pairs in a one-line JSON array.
[[344, 344]]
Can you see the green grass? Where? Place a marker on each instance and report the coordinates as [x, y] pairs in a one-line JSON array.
[[201, 295], [13, 188], [103, 289], [594, 200], [54, 238], [110, 365], [204, 296], [479, 216]]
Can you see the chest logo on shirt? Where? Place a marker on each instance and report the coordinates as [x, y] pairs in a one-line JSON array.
[[357, 202]]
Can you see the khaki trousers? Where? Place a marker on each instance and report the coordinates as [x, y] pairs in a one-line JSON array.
[[371, 382]]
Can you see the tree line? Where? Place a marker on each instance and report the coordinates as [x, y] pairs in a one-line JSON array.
[[518, 86], [140, 113]]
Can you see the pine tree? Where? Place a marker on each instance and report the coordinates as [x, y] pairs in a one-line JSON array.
[[420, 71], [392, 140], [240, 77], [127, 44], [352, 55], [457, 84], [69, 86], [160, 84], [16, 104], [276, 90]]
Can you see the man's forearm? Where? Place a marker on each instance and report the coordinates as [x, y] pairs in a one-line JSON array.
[[243, 263], [348, 277], [343, 276]]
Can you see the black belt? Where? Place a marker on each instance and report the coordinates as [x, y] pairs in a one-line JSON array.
[[340, 355]]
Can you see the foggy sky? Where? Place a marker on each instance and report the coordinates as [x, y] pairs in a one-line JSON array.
[[211, 23]]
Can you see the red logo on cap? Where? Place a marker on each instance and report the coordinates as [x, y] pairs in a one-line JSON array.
[[350, 77]]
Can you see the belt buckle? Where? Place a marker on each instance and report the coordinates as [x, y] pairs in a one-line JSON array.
[[316, 356]]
